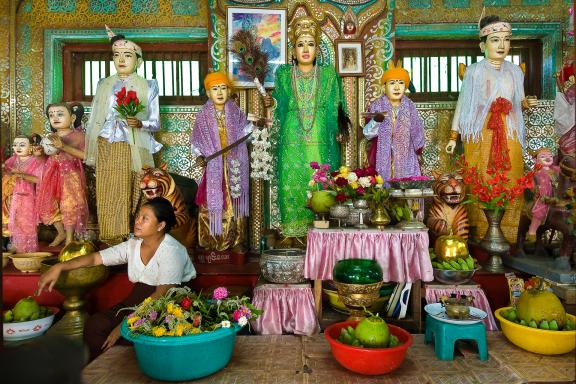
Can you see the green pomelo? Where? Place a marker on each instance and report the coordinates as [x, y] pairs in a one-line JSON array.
[[540, 305], [321, 201], [26, 308], [373, 332]]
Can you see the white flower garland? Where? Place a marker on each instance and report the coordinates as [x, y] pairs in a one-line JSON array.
[[235, 189], [261, 158]]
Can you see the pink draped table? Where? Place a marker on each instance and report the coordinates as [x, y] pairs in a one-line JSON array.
[[402, 254], [287, 308], [434, 292]]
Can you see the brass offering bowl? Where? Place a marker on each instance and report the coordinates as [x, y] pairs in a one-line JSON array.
[[74, 285], [457, 308], [356, 297]]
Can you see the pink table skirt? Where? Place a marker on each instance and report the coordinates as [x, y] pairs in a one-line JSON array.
[[434, 294], [287, 308], [403, 255]]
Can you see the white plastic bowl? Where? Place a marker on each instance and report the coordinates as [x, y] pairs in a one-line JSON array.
[[28, 329]]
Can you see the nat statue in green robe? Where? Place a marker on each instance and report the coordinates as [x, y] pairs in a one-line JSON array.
[[307, 97]]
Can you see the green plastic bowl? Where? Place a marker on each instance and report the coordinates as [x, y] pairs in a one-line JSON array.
[[182, 358]]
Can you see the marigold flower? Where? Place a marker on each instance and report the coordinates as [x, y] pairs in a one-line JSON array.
[[179, 329], [158, 331], [196, 330], [147, 300], [132, 320]]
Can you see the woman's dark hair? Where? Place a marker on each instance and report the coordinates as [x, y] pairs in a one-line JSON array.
[[487, 20], [163, 211], [74, 108]]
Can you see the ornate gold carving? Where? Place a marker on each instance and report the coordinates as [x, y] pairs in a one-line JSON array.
[[553, 11]]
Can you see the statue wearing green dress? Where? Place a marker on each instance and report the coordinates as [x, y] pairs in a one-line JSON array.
[[307, 97]]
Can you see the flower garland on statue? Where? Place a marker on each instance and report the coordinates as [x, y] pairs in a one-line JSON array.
[[182, 312], [235, 188], [261, 158]]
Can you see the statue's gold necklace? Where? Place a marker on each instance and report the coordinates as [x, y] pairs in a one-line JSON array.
[[305, 98]]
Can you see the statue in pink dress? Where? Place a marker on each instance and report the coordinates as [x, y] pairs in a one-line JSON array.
[[62, 193], [20, 174], [545, 181]]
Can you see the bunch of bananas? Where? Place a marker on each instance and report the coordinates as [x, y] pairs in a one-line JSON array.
[[401, 212], [466, 264]]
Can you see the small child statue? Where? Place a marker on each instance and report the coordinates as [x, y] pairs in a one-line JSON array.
[[545, 180], [20, 173], [62, 192], [398, 128]]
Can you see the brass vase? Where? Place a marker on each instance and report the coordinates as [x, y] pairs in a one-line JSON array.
[[379, 216], [494, 242]]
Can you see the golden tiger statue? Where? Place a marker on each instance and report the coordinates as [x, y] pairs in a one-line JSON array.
[[447, 214], [157, 182]]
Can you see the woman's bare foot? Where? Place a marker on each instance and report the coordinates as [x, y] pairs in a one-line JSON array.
[[58, 240]]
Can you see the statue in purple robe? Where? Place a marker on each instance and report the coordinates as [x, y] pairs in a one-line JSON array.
[[223, 195], [398, 129]]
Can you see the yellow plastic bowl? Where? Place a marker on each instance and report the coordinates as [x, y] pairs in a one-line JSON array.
[[537, 340]]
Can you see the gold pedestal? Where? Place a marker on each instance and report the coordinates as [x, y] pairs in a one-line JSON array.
[[357, 297], [74, 285]]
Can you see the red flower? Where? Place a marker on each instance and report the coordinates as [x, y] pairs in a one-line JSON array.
[[196, 319], [186, 303], [341, 182], [341, 197]]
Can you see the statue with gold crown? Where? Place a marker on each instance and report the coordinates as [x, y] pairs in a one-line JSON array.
[[219, 141], [488, 117], [309, 107], [119, 145]]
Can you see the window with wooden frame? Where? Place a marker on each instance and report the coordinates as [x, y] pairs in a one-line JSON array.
[[179, 69], [433, 65]]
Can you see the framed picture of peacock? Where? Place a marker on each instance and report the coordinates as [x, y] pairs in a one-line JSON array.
[[257, 44]]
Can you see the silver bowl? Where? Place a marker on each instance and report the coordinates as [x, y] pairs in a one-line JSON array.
[[453, 277], [283, 266]]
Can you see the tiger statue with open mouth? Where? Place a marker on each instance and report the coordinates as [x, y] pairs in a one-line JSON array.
[[447, 214], [157, 182]]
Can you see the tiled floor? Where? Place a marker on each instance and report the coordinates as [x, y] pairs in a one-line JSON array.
[[293, 359]]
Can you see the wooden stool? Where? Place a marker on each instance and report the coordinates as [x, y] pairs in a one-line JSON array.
[[446, 334]]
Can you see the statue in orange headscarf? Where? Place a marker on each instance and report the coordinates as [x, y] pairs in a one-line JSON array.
[[399, 131]]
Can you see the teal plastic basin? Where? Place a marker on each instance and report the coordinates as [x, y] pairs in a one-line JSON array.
[[182, 358]]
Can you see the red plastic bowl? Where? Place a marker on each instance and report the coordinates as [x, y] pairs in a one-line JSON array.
[[368, 361]]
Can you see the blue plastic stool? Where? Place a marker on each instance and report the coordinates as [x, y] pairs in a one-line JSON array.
[[446, 334]]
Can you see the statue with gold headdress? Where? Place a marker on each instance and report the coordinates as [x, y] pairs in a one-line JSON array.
[[396, 127], [307, 98], [120, 146], [219, 143], [488, 117]]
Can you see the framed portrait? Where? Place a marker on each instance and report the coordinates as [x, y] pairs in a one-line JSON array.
[[350, 57], [269, 26]]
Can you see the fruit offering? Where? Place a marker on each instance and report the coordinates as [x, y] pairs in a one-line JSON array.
[[26, 309], [460, 264], [371, 332], [538, 307]]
